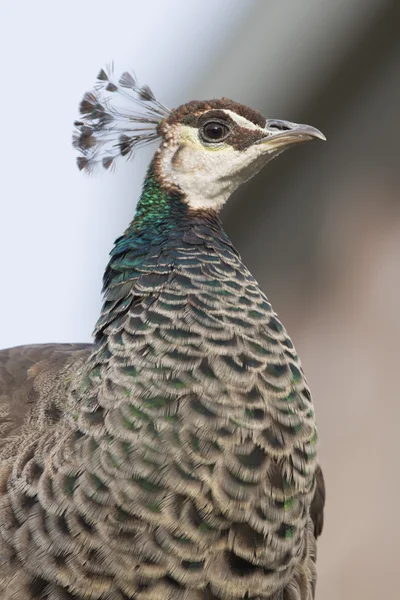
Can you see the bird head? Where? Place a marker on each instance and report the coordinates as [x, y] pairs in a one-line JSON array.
[[207, 149]]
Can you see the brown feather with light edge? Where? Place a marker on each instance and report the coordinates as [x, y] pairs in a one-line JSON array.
[[175, 458]]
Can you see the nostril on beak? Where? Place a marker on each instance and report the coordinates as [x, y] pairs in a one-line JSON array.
[[278, 126]]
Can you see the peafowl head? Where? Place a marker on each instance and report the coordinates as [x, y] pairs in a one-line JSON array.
[[207, 148]]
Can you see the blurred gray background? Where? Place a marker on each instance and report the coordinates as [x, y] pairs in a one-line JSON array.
[[319, 228]]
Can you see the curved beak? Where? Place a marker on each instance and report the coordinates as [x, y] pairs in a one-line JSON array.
[[280, 134]]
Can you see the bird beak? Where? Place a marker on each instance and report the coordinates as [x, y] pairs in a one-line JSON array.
[[282, 134]]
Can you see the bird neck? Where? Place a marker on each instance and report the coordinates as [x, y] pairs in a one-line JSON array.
[[162, 219], [158, 207]]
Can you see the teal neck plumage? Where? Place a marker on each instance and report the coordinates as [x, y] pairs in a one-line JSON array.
[[156, 207], [158, 213], [162, 218], [163, 223]]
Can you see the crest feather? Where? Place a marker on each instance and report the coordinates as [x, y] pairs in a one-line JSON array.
[[116, 118]]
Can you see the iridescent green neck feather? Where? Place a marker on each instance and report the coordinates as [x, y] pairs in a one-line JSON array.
[[158, 213], [162, 220], [156, 206]]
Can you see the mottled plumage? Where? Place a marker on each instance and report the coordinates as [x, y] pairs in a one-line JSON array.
[[176, 457]]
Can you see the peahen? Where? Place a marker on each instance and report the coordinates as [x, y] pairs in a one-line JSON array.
[[175, 458]]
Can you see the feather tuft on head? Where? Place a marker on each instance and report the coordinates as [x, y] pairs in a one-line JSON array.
[[108, 129]]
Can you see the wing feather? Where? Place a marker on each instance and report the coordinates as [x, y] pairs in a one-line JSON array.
[[24, 370]]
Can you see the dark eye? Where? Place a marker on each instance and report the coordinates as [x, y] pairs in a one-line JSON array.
[[214, 131]]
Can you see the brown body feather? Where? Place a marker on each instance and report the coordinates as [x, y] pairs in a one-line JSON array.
[[26, 372], [34, 384]]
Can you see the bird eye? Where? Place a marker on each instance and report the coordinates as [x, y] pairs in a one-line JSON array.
[[214, 131]]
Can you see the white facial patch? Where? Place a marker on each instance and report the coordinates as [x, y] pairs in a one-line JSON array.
[[242, 121], [208, 174]]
